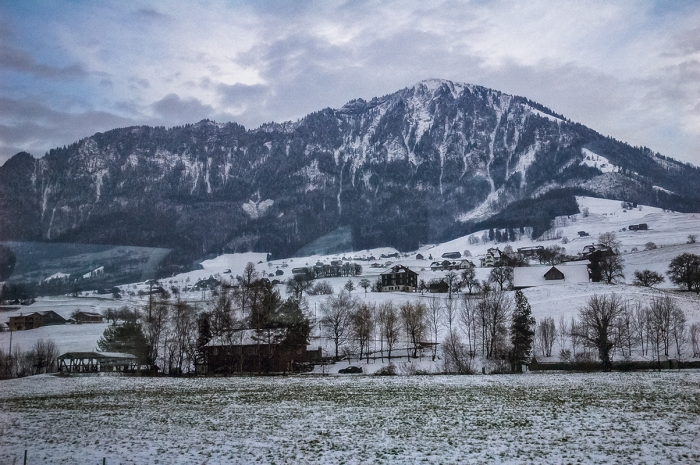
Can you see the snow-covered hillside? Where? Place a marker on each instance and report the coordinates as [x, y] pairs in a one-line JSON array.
[[667, 230]]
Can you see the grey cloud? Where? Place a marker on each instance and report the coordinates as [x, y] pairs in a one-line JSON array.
[[31, 126], [18, 60], [173, 108], [241, 94], [149, 14], [142, 83]]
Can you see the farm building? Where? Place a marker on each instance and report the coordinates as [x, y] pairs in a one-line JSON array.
[[440, 287], [598, 249], [530, 276], [492, 258], [249, 351], [533, 251], [87, 317], [92, 362], [447, 265], [452, 255], [35, 320], [638, 227], [399, 278]]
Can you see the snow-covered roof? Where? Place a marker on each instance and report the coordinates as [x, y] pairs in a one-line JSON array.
[[96, 355], [530, 276]]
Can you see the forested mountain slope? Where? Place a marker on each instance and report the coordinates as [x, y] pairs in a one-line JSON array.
[[414, 166]]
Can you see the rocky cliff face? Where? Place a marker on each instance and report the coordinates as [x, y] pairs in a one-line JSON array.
[[398, 170]]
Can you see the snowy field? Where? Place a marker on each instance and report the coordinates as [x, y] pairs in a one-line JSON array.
[[534, 418]]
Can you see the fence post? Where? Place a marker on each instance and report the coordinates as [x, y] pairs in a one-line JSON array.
[[25, 456]]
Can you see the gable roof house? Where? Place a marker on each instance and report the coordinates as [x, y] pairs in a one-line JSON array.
[[399, 278], [492, 258], [600, 249], [35, 320], [530, 276]]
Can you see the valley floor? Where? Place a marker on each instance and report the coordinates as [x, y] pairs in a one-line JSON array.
[[533, 418]]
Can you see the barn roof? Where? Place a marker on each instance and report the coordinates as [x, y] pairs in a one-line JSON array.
[[96, 355], [530, 276]]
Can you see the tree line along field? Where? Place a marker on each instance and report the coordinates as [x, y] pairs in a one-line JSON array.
[[559, 418], [466, 334]]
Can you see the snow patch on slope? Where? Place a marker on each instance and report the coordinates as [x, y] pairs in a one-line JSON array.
[[598, 161], [659, 188], [484, 210], [545, 115], [256, 209]]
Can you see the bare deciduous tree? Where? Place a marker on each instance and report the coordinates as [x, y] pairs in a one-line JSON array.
[[609, 239], [44, 355], [457, 358], [335, 322], [695, 339], [647, 278], [453, 283], [564, 332], [611, 269], [678, 328], [434, 316], [503, 276], [494, 310], [388, 326], [596, 327], [546, 335], [362, 326], [659, 314], [469, 322], [413, 318], [469, 280]]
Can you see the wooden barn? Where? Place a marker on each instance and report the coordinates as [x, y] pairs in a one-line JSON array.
[[87, 317], [249, 351]]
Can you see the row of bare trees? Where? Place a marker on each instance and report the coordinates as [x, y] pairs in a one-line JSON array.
[[609, 325], [41, 358], [475, 326]]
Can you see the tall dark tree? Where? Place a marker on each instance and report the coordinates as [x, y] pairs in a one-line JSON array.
[[203, 334], [7, 262], [296, 327], [684, 270], [126, 338], [522, 328]]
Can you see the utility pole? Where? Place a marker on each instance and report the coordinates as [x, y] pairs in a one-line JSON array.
[[150, 298]]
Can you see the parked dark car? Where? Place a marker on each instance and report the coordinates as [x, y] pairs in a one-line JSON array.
[[350, 370]]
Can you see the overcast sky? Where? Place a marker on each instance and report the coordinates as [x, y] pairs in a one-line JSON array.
[[69, 69]]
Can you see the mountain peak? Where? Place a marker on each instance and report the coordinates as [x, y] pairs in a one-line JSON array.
[[397, 170]]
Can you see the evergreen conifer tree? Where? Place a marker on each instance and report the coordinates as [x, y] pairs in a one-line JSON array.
[[522, 329]]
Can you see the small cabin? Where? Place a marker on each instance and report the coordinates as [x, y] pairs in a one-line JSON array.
[[87, 317], [553, 274]]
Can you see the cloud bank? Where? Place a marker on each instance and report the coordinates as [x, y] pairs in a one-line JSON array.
[[629, 70]]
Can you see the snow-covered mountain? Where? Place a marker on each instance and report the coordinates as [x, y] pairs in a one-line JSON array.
[[419, 165]]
